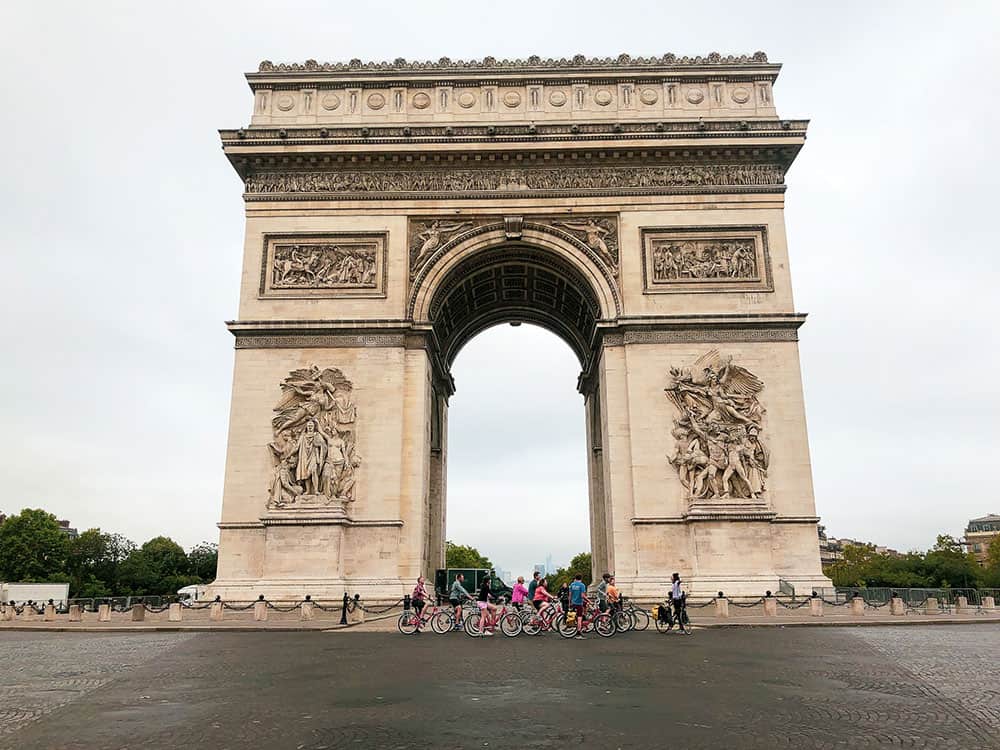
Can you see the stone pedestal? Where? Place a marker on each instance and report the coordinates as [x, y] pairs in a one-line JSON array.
[[104, 613], [28, 612], [306, 613], [722, 608], [931, 606], [896, 606], [138, 613], [174, 612], [356, 615], [988, 602], [771, 607], [215, 611], [75, 613], [962, 605], [260, 611], [816, 607], [50, 613], [6, 613], [857, 606]]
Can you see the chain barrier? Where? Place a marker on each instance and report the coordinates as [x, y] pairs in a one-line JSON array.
[[799, 605], [747, 605], [700, 605], [196, 605], [155, 610], [380, 610], [835, 603], [280, 608]]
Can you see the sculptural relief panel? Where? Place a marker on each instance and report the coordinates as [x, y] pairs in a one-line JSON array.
[[706, 259], [314, 452], [324, 265], [719, 448]]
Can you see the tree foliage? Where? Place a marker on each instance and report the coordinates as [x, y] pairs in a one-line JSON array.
[[464, 556], [945, 565], [32, 547], [580, 563]]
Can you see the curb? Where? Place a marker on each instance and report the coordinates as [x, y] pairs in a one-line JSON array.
[[131, 629]]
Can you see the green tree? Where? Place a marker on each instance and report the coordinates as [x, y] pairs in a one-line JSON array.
[[581, 564], [160, 566], [93, 562], [203, 561], [32, 547], [993, 553], [464, 556]]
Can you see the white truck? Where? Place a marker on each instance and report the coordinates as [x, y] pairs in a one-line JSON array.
[[39, 593]]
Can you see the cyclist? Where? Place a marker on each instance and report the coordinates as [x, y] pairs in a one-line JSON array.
[[677, 597], [614, 596], [578, 600], [602, 592], [485, 606], [542, 596], [532, 586], [456, 596], [518, 594], [417, 600]]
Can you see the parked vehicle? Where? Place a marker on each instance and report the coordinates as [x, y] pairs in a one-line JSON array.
[[40, 593]]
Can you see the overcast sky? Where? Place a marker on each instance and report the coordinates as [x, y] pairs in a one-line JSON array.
[[122, 231]]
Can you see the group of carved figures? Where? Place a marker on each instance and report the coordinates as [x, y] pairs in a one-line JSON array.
[[678, 261], [464, 180], [321, 266], [718, 452], [314, 449]]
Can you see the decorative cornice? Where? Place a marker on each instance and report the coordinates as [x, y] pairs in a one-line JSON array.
[[532, 64]]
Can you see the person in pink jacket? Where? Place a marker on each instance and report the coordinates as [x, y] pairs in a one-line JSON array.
[[519, 594]]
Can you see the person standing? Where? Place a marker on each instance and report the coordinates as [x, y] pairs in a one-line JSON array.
[[417, 600], [531, 589], [519, 594], [578, 600], [677, 597], [602, 592], [564, 596], [614, 596]]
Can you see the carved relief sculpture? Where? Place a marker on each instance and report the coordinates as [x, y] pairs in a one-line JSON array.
[[719, 452], [601, 236], [706, 259], [328, 265], [314, 450], [430, 236]]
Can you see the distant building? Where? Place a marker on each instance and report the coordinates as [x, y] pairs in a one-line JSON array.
[[978, 535], [540, 568], [831, 550], [66, 529]]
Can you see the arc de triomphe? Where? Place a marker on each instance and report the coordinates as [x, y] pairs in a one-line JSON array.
[[633, 206]]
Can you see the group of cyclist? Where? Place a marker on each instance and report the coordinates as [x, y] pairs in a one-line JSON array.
[[572, 596]]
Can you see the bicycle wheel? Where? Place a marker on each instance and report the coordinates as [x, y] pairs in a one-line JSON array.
[[641, 619], [683, 623], [407, 623], [511, 625], [664, 626], [470, 623], [623, 621], [442, 622], [564, 627], [604, 626], [533, 626]]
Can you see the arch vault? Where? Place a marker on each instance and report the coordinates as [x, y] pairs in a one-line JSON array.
[[632, 207]]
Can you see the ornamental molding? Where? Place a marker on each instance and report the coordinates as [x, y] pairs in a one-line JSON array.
[[701, 336], [516, 182], [533, 63], [318, 341]]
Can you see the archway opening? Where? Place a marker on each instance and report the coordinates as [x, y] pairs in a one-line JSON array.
[[520, 482]]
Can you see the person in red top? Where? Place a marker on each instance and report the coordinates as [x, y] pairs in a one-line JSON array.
[[542, 595], [417, 600]]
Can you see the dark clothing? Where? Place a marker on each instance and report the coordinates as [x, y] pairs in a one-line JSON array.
[[484, 592], [531, 589]]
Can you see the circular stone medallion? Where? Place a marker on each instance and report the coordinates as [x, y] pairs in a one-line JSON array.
[[603, 97], [648, 96], [557, 98], [376, 101], [285, 102], [466, 100], [696, 96], [421, 100], [741, 96], [511, 99], [330, 101]]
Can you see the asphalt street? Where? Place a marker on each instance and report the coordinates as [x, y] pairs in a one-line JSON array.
[[735, 688]]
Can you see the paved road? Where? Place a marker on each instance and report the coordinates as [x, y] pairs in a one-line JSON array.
[[747, 688]]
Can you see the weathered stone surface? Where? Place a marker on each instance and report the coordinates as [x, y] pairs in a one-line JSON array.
[[260, 611], [174, 612], [104, 613], [771, 607], [896, 606], [931, 606], [816, 607], [722, 608], [857, 606], [138, 613], [215, 611], [75, 613]]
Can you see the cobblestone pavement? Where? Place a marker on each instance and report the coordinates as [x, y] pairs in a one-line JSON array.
[[746, 688]]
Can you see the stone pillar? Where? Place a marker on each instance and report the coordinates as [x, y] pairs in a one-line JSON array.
[[858, 606], [931, 606], [771, 606], [104, 613], [50, 613], [259, 611], [356, 615], [307, 611], [138, 613], [962, 605], [816, 607], [75, 613], [174, 612], [722, 608], [896, 606], [6, 613], [988, 602], [215, 611]]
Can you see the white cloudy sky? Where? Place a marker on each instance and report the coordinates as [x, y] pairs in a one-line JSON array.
[[122, 232]]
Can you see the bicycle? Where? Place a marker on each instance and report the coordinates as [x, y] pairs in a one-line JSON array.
[[409, 621], [667, 618], [640, 617], [543, 620], [508, 620], [593, 619]]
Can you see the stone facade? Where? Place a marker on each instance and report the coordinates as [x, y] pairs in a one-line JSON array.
[[633, 207]]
